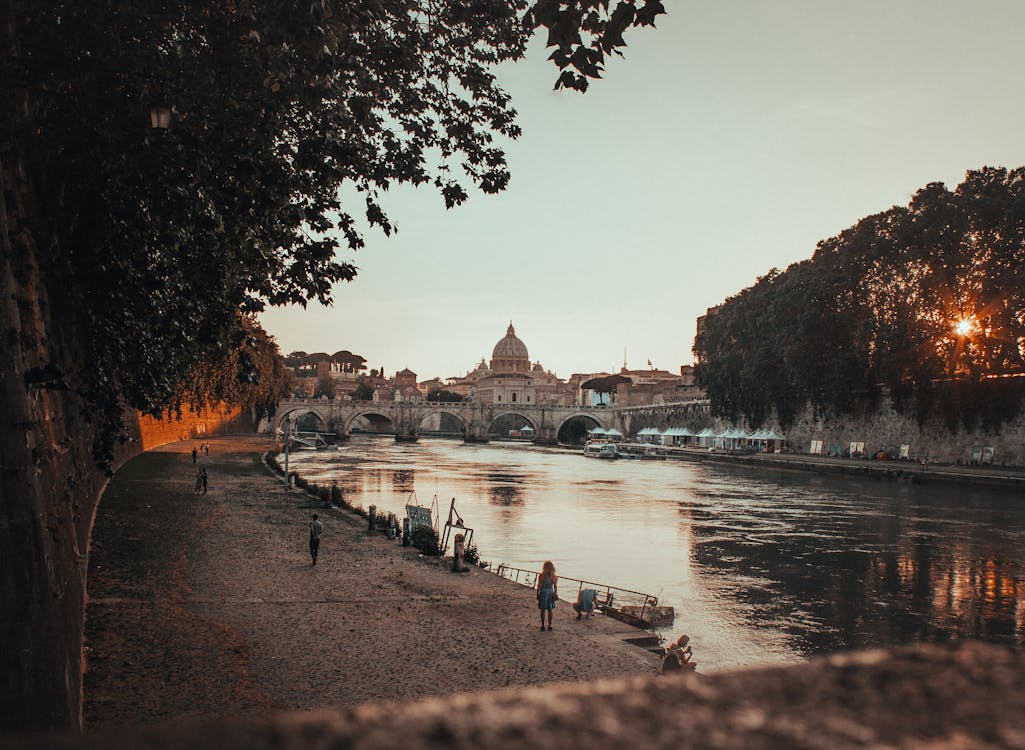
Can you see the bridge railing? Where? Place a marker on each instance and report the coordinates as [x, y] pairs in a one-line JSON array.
[[306, 400], [309, 400]]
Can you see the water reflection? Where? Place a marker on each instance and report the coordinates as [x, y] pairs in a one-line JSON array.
[[761, 565], [504, 494], [403, 480]]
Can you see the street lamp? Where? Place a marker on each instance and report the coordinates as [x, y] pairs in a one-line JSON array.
[[160, 118], [287, 436]]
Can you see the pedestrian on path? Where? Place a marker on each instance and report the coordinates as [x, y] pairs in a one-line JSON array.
[[194, 454], [547, 592], [199, 481], [316, 529], [202, 473]]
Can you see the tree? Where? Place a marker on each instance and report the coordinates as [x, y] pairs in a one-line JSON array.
[[349, 362], [606, 384], [251, 374], [442, 395], [325, 387], [129, 252], [925, 300], [362, 392]]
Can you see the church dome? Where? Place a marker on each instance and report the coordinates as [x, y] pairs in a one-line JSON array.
[[510, 347], [510, 354]]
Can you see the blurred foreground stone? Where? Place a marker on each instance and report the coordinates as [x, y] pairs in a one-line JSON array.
[[969, 695]]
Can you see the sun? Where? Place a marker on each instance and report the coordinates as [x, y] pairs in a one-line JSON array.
[[964, 326]]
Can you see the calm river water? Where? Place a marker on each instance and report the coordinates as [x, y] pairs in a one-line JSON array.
[[761, 565]]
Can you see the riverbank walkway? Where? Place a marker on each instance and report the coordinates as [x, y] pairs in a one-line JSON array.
[[205, 606], [978, 476]]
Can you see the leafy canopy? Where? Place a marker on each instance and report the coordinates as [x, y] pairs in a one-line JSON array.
[[927, 300], [160, 239]]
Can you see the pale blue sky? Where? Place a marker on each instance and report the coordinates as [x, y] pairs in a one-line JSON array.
[[729, 141]]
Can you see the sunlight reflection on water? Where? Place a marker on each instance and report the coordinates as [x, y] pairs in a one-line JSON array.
[[761, 566]]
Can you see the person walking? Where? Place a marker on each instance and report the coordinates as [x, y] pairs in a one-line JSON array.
[[199, 481], [202, 473], [194, 454], [316, 529], [547, 592]]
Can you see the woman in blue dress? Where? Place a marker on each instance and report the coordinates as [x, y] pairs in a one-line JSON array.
[[547, 592]]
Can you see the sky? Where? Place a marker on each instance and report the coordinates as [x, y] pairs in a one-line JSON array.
[[729, 141]]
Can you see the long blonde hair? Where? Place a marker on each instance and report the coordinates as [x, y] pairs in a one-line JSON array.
[[548, 571]]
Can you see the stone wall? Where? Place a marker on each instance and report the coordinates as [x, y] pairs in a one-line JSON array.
[[881, 429], [885, 428], [191, 424]]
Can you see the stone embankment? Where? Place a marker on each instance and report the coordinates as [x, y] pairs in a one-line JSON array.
[[901, 471]]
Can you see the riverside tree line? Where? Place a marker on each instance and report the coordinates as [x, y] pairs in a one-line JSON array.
[[924, 302]]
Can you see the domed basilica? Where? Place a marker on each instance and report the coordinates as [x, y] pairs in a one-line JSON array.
[[511, 379], [510, 354]]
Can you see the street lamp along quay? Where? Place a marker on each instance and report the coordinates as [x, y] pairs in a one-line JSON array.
[[160, 118], [287, 435]]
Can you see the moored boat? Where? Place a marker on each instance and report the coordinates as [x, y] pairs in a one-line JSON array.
[[645, 616], [600, 449]]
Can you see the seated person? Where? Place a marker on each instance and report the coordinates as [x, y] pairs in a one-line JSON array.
[[585, 602], [678, 656]]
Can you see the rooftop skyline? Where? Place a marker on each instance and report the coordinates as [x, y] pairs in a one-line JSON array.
[[729, 141]]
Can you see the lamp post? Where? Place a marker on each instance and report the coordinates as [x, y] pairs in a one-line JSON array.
[[287, 436], [160, 118]]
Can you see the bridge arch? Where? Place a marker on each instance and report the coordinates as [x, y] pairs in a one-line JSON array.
[[453, 416], [573, 428], [306, 418], [381, 420], [498, 419]]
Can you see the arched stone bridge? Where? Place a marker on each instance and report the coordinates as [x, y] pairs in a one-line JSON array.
[[407, 418]]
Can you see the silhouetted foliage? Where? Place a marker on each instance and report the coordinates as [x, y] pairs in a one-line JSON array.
[[362, 392], [605, 384], [325, 387], [166, 235], [425, 539], [444, 396], [879, 305], [250, 374]]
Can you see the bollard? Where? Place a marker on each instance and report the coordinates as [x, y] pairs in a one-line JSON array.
[[372, 519], [457, 554], [406, 536], [393, 526]]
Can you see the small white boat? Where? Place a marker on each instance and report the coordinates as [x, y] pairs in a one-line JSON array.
[[600, 449]]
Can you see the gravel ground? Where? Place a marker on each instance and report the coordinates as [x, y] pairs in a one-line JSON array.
[[206, 606]]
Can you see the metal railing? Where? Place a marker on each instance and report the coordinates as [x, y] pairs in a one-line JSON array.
[[606, 594]]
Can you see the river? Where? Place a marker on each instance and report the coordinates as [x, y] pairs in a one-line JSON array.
[[762, 565]]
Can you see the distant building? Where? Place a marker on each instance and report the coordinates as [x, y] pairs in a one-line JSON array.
[[703, 320], [508, 380], [405, 377], [511, 378]]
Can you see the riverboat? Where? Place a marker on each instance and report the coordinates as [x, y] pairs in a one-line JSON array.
[[645, 617], [600, 449], [641, 452]]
